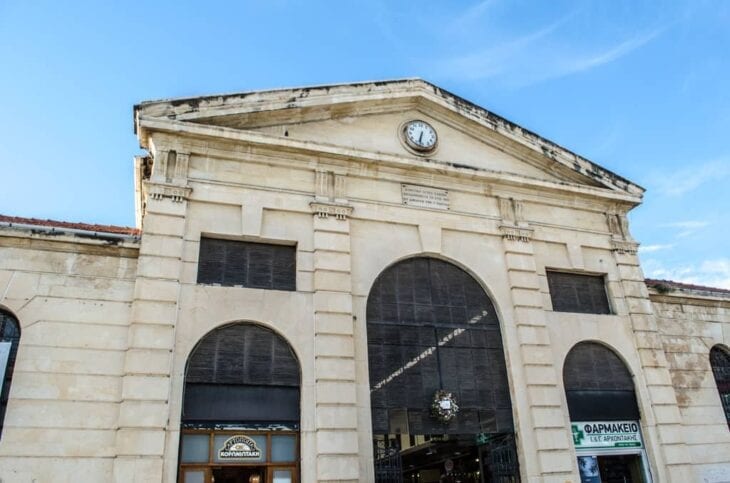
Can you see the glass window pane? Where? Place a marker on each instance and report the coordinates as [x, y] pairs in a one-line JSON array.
[[195, 448], [236, 448], [282, 476], [283, 448], [196, 476]]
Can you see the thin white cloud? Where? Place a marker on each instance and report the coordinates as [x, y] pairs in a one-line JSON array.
[[685, 180], [471, 15], [536, 56], [496, 59], [711, 273], [686, 228], [610, 55], [686, 225], [655, 248]]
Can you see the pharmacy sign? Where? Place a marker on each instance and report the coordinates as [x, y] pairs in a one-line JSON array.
[[606, 435]]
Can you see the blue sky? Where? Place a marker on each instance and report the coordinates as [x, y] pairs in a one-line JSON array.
[[641, 88]]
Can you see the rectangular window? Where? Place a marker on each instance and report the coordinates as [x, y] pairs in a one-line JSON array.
[[573, 292], [247, 264]]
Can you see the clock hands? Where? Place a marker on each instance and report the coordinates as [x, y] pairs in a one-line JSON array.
[[420, 136]]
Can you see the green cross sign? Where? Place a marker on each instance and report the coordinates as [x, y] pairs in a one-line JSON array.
[[578, 435]]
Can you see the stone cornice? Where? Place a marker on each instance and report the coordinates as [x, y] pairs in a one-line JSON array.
[[680, 297], [298, 103], [350, 154], [67, 243]]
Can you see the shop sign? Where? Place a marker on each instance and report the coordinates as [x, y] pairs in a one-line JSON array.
[[237, 447], [606, 435]]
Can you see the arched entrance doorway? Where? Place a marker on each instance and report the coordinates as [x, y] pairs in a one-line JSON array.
[[240, 415], [439, 395], [604, 416]]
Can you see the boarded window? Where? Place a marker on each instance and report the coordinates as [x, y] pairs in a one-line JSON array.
[[720, 361], [242, 373], [431, 326], [573, 292], [9, 340], [598, 386], [247, 264]]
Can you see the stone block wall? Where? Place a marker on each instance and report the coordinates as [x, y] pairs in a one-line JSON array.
[[690, 324], [72, 297]]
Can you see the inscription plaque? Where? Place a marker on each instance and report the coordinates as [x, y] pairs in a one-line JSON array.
[[425, 197]]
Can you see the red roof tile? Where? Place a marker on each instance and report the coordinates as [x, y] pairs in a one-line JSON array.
[[650, 282], [120, 230]]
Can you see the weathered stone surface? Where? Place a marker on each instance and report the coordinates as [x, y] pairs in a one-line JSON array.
[[107, 326]]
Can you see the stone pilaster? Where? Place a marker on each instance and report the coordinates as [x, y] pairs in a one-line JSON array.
[[551, 442], [144, 409], [655, 370], [334, 345], [546, 428]]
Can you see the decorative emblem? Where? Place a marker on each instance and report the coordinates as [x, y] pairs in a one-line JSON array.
[[239, 446], [444, 407]]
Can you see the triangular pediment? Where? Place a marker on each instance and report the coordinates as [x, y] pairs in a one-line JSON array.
[[369, 117]]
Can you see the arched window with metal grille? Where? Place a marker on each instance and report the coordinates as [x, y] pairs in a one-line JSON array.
[[435, 350], [9, 340], [598, 385], [720, 362]]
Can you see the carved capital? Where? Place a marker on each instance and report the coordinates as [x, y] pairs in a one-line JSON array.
[[627, 247], [160, 191], [329, 186], [340, 211], [516, 233]]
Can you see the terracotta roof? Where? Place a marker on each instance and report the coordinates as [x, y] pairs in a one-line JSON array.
[[671, 284], [120, 230]]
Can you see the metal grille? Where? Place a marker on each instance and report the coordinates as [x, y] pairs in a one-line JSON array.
[[242, 372], [572, 292], [598, 385], [720, 361], [253, 265], [431, 326], [9, 332], [503, 464], [388, 462]]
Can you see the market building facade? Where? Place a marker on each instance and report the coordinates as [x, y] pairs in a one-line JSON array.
[[376, 282]]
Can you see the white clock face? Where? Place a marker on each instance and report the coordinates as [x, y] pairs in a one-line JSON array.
[[420, 135]]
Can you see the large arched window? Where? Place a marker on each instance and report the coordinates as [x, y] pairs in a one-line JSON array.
[[240, 415], [720, 361], [9, 340], [432, 328], [598, 385]]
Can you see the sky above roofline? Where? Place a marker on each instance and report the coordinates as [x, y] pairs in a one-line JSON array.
[[638, 87]]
